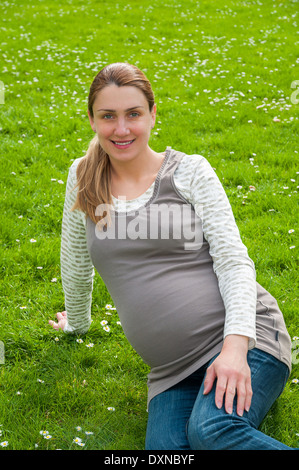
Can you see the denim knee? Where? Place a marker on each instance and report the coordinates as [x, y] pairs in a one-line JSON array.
[[211, 433], [198, 434]]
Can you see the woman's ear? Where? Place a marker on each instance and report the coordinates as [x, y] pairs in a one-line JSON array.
[[91, 120], [153, 113]]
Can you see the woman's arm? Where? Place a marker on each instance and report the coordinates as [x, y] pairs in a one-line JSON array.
[[234, 269], [77, 271], [237, 284]]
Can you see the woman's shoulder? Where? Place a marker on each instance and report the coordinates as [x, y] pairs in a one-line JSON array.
[[193, 163], [75, 163], [191, 160], [195, 174], [72, 170]]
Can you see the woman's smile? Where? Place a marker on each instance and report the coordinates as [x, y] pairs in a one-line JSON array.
[[122, 145]]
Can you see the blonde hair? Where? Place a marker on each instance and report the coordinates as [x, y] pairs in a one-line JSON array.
[[93, 171]]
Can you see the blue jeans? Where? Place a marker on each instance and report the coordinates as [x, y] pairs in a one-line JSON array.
[[182, 418]]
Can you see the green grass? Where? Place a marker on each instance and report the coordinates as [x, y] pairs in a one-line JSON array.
[[221, 72]]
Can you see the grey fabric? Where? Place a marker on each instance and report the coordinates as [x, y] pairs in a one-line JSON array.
[[165, 290]]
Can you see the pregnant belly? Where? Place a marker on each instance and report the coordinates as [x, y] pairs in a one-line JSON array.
[[164, 326]]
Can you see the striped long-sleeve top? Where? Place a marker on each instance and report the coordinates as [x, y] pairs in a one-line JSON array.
[[198, 183]]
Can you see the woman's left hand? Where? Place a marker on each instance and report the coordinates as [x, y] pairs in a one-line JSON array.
[[233, 375]]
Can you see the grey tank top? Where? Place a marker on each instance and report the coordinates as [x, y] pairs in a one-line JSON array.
[[164, 288]]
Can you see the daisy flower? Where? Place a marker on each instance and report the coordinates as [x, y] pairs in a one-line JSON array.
[[77, 439]]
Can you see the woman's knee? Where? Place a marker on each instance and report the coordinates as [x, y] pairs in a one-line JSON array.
[[211, 433], [198, 434]]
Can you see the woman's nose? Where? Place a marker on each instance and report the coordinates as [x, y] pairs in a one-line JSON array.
[[121, 128]]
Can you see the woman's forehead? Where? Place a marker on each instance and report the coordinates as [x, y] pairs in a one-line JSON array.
[[113, 98]]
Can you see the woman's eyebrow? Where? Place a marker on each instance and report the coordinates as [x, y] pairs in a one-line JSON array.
[[113, 110]]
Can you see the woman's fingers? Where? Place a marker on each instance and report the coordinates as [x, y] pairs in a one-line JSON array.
[[55, 325], [241, 389], [61, 317], [209, 379], [231, 383], [249, 394]]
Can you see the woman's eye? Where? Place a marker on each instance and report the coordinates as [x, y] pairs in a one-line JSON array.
[[135, 114], [108, 116]]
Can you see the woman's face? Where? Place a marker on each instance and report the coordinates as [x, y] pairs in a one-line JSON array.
[[122, 121]]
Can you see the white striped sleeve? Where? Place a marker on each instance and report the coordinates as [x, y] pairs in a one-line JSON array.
[[77, 270], [234, 269]]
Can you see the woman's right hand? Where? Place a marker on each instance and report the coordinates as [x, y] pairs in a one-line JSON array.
[[61, 317]]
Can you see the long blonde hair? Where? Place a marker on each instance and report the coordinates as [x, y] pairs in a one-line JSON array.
[[93, 170]]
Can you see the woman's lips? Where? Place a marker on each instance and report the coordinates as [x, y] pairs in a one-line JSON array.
[[122, 144]]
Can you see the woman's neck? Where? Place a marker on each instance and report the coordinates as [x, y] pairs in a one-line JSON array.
[[132, 178], [137, 169]]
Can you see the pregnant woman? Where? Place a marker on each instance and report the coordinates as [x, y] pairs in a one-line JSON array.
[[160, 231]]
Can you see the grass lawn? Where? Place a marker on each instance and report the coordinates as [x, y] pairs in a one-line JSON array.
[[223, 74]]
